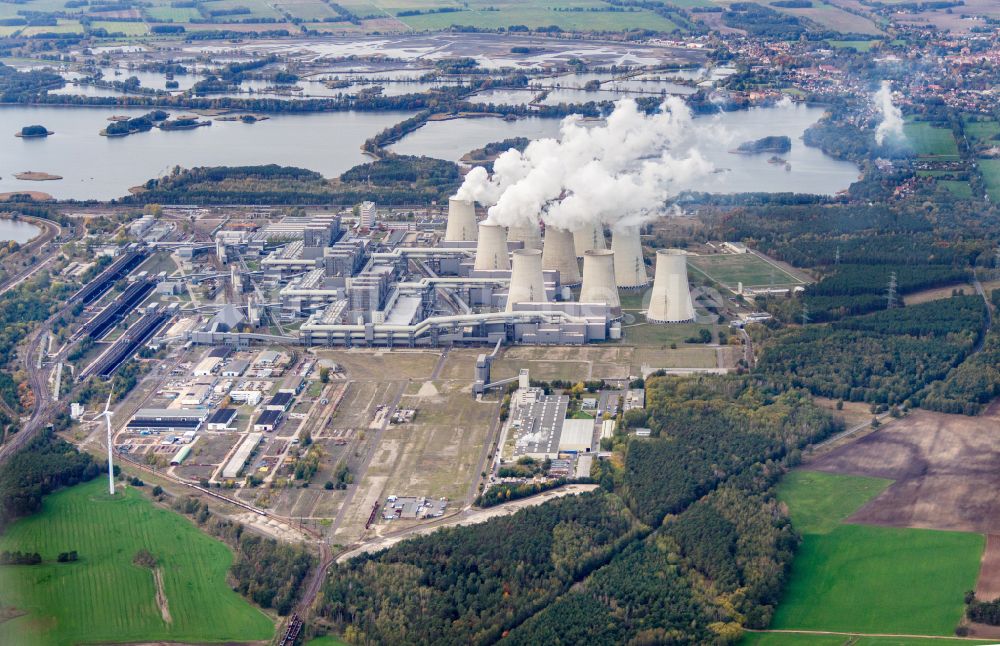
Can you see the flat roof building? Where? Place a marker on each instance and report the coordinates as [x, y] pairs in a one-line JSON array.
[[239, 459], [267, 421], [538, 423], [221, 419], [577, 435], [280, 401]]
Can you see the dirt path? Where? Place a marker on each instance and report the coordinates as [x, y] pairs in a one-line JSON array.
[[161, 596], [466, 517]]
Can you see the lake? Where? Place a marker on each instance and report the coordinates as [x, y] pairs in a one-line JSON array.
[[812, 171], [17, 230], [95, 167], [102, 168]]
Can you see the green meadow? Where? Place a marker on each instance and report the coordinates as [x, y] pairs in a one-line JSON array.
[[104, 597]]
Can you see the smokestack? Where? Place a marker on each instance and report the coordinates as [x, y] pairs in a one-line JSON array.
[[670, 301], [491, 251], [599, 280], [630, 270], [587, 237], [558, 253], [527, 284], [461, 220], [529, 234]]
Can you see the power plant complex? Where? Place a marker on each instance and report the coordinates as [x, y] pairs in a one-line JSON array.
[[481, 283]]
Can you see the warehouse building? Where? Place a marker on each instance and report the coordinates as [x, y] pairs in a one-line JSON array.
[[168, 420], [222, 419], [267, 421], [239, 459]]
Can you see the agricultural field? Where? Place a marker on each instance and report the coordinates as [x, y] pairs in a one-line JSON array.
[[488, 14], [792, 639], [990, 170], [931, 141], [306, 9], [730, 269], [869, 579], [104, 597], [127, 28], [982, 131], [834, 18], [859, 45]]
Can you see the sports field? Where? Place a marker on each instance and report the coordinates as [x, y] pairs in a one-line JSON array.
[[104, 597], [869, 579], [732, 268], [931, 141]]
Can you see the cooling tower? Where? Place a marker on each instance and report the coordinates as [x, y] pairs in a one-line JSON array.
[[558, 253], [630, 270], [527, 285], [599, 280], [491, 250], [461, 220], [528, 233], [589, 236], [670, 301]]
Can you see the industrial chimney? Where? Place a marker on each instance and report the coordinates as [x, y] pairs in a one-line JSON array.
[[587, 237], [630, 270], [527, 284], [528, 233], [670, 301], [558, 253], [491, 250], [461, 220], [599, 280]]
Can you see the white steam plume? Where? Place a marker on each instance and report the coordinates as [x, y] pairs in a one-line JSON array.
[[619, 173], [891, 125]]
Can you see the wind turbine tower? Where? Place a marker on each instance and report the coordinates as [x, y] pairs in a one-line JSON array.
[[111, 469]]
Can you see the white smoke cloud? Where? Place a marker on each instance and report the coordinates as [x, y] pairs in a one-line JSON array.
[[891, 125], [619, 173]]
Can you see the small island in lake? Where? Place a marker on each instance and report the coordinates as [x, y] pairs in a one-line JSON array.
[[121, 127], [36, 176], [31, 132], [773, 144], [183, 123]]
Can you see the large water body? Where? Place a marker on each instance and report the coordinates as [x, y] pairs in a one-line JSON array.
[[17, 230], [102, 168], [811, 171], [95, 167]]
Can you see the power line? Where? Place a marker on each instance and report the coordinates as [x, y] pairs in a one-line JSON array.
[[890, 292]]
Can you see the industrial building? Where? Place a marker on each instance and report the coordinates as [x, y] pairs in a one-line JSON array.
[[169, 420], [482, 283], [267, 421], [222, 419], [239, 459]]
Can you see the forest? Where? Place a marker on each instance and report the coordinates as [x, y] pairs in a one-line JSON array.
[[45, 464], [470, 584], [884, 358], [968, 388], [613, 566], [394, 180]]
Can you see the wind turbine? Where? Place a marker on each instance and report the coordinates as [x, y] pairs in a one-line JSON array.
[[111, 470]]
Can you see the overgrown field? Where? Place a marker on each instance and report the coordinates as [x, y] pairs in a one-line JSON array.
[[869, 579], [105, 597]]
